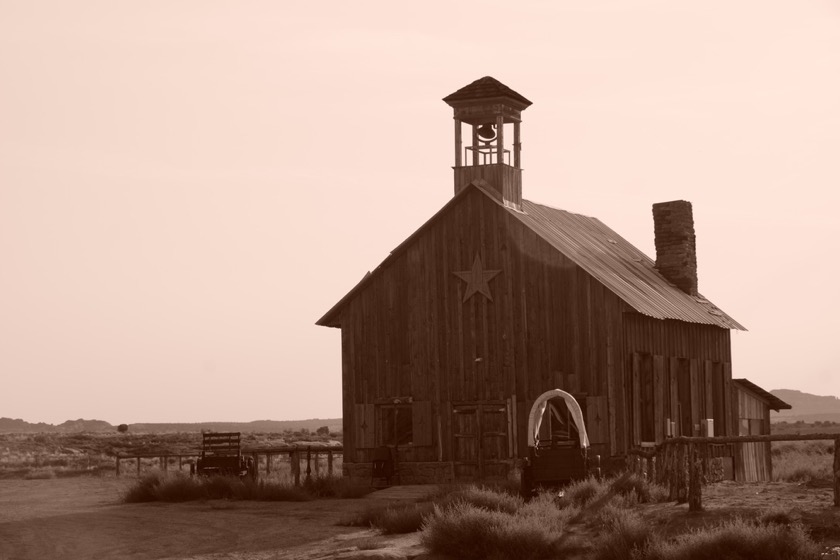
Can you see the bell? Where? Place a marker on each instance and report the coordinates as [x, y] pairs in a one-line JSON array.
[[487, 131]]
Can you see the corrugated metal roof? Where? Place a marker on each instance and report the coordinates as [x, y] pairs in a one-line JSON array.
[[623, 269], [485, 88], [620, 267], [775, 402]]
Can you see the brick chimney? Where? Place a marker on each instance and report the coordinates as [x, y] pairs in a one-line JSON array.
[[676, 250]]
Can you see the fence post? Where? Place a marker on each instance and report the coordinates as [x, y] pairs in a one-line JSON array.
[[837, 472], [681, 474], [308, 464], [330, 462], [694, 492], [294, 458]]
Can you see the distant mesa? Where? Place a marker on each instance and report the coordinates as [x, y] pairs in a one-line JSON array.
[[806, 407]]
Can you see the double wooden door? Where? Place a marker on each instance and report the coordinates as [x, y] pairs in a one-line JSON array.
[[481, 445]]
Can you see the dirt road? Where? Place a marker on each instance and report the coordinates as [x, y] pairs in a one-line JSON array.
[[81, 518]]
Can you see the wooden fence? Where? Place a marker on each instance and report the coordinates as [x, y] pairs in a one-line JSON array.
[[312, 455], [681, 463]]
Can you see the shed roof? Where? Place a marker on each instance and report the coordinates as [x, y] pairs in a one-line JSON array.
[[775, 402], [597, 249], [487, 87]]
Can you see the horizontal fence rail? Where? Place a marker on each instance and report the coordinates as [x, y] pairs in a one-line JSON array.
[[681, 462], [296, 454]]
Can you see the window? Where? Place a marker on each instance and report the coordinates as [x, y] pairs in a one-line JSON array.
[[395, 424]]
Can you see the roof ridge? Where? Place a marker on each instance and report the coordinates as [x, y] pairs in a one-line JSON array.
[[486, 87]]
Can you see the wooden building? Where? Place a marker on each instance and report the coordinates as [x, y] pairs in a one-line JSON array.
[[496, 299], [751, 461]]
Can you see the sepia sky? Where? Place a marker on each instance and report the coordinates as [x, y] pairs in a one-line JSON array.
[[186, 186]]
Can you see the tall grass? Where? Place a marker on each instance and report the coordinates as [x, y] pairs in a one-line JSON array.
[[624, 537], [638, 489], [181, 488], [580, 493], [470, 532], [737, 539], [802, 461]]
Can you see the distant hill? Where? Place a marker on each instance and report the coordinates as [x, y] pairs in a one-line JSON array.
[[18, 426], [264, 426], [806, 407]]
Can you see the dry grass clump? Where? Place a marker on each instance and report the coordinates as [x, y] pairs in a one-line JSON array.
[[469, 532], [408, 518], [392, 518], [582, 492], [779, 516], [485, 498], [737, 539], [802, 461], [625, 535], [181, 488], [545, 507], [334, 487], [774, 535], [635, 485]]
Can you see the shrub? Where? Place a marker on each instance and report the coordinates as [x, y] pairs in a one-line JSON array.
[[40, 474], [484, 498], [122, 428], [277, 492], [403, 519], [182, 488], [738, 540], [544, 506], [645, 491], [143, 490], [581, 492], [802, 461], [334, 487], [465, 531], [779, 516], [626, 535]]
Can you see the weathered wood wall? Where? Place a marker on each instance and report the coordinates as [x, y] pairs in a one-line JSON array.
[[753, 461], [409, 333], [679, 372]]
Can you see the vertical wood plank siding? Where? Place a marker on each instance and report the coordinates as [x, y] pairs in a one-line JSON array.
[[689, 366], [752, 460], [408, 333]]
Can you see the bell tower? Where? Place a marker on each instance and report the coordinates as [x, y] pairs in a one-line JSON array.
[[493, 113]]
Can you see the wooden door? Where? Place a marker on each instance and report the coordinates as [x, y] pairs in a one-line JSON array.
[[480, 446]]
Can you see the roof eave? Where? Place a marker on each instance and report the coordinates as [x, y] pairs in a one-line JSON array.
[[772, 400], [332, 318]]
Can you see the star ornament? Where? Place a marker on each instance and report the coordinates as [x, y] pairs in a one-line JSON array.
[[477, 279]]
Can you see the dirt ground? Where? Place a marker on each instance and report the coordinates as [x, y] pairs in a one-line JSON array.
[[82, 518]]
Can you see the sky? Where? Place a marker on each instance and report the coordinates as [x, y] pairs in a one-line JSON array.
[[186, 186]]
